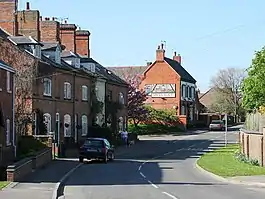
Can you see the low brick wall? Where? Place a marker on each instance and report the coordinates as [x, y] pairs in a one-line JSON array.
[[253, 145], [21, 169]]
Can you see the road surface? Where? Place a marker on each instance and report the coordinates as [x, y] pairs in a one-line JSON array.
[[157, 169]]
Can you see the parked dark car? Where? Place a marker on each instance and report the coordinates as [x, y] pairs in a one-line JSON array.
[[217, 125], [96, 148]]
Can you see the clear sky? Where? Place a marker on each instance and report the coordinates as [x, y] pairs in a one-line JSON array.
[[209, 34]]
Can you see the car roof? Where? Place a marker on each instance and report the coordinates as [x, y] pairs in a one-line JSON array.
[[102, 139]]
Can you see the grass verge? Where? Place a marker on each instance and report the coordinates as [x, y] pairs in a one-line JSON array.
[[3, 184], [223, 162]]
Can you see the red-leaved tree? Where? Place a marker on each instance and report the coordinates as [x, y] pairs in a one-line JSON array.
[[137, 112]]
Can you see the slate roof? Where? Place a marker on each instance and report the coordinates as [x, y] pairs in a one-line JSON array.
[[6, 67], [185, 76], [127, 72], [66, 53], [4, 34], [104, 72], [24, 40], [49, 46]]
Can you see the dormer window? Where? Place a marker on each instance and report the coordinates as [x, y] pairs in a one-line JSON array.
[[58, 56], [36, 51]]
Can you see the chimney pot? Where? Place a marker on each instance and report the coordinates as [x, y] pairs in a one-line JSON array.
[[175, 53], [27, 6], [158, 48], [162, 46], [65, 21], [40, 18], [53, 18]]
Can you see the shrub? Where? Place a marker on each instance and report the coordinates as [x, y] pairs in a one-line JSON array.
[[28, 145], [148, 129], [243, 158]]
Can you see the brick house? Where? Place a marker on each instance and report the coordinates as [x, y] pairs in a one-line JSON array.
[[173, 88], [7, 138], [110, 89], [52, 38]]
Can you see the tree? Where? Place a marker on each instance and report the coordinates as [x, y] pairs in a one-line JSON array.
[[227, 84], [253, 87], [137, 112]]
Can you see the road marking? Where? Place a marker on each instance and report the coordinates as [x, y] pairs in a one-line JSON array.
[[155, 186], [142, 175], [168, 194], [181, 149]]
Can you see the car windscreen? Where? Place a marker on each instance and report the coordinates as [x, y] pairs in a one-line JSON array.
[[93, 143], [216, 122]]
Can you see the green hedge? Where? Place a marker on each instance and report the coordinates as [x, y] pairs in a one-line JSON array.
[[27, 146], [149, 129]]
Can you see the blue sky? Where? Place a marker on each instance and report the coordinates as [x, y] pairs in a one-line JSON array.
[[209, 34]]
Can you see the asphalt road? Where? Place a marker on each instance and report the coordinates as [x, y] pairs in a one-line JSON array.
[[157, 169]]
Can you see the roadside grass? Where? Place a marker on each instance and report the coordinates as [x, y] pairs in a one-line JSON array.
[[3, 184], [223, 162]]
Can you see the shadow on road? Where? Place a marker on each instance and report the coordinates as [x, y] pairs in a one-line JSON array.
[[124, 170]]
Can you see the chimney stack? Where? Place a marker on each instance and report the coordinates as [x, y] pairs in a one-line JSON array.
[[177, 57], [27, 6], [50, 30], [68, 36], [160, 53], [82, 42]]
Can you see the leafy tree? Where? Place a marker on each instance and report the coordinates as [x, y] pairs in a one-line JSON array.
[[253, 87], [227, 84], [137, 112]]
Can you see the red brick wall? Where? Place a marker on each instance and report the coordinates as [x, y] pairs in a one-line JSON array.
[[67, 36], [162, 73], [7, 22], [49, 31], [6, 103], [82, 43], [28, 23]]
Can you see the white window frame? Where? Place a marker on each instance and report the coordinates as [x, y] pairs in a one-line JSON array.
[[121, 98], [67, 131], [84, 125], [67, 90], [84, 93], [48, 123], [47, 91], [8, 132], [8, 81]]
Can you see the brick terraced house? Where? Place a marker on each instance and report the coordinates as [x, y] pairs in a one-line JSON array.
[[62, 85], [7, 135]]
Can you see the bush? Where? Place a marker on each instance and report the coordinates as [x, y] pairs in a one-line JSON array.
[[148, 129], [28, 146], [163, 116], [243, 158]]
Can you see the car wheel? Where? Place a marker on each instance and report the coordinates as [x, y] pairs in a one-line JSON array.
[[81, 159], [111, 158], [105, 160]]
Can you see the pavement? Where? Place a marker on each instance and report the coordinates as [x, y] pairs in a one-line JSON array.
[[158, 167]]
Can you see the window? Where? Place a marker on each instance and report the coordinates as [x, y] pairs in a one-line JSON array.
[[84, 125], [48, 122], [47, 83], [183, 90], [67, 90], [109, 95], [8, 132], [67, 125], [183, 112], [121, 98], [84, 93], [8, 81], [190, 90]]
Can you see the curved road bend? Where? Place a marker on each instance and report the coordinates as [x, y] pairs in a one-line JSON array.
[[172, 175]]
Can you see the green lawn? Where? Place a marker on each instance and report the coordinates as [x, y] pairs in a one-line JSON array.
[[222, 162], [3, 184]]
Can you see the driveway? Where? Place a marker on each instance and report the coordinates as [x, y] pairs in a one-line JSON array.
[[157, 169]]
